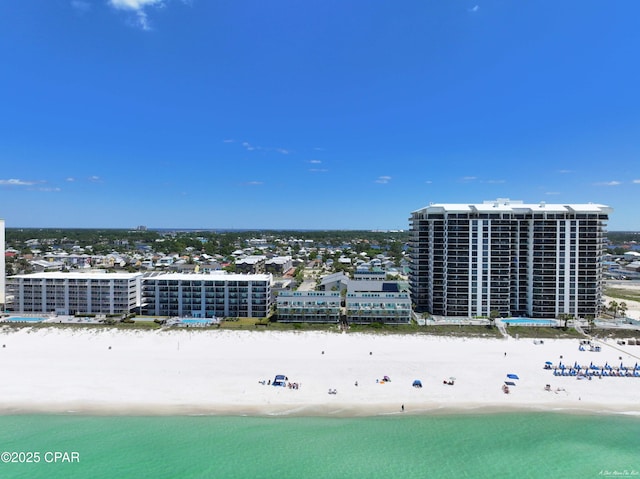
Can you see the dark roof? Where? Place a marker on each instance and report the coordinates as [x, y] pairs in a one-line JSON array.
[[390, 287]]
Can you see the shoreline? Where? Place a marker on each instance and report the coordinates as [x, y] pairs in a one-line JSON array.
[[220, 373], [317, 411]]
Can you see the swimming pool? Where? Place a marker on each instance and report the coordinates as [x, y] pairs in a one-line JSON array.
[[530, 322], [196, 322], [26, 319]]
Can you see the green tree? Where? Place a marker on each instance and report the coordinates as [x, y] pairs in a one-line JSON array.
[[564, 317], [623, 309], [299, 274], [493, 315]]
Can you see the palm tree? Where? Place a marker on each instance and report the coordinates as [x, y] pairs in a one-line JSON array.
[[613, 308], [565, 317], [591, 321], [623, 309]]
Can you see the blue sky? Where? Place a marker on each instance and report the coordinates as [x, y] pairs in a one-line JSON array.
[[327, 114]]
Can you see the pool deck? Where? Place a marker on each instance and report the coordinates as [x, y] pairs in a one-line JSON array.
[[192, 322], [529, 322], [27, 318]]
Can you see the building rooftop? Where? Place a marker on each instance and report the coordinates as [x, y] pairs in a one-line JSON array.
[[215, 276], [514, 206], [254, 259], [78, 275]]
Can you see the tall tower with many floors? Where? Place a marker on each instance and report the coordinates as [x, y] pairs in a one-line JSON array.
[[534, 260]]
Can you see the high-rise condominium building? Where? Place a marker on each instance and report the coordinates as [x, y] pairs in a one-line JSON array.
[[506, 257]]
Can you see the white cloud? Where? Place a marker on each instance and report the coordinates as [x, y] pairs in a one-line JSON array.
[[138, 8], [249, 147], [564, 172], [81, 6], [609, 183], [552, 193], [428, 182], [16, 182], [228, 141], [318, 170], [495, 182], [383, 180], [469, 178], [315, 162], [94, 179], [475, 8], [134, 4], [31, 184], [254, 183], [142, 20], [636, 181]]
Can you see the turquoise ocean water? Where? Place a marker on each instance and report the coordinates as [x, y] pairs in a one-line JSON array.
[[523, 445]]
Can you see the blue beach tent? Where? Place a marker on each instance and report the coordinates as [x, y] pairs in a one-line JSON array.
[[280, 380]]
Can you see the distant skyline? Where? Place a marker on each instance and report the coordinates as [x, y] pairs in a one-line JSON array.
[[262, 114]]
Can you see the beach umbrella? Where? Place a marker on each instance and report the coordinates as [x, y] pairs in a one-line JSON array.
[[548, 362], [513, 376], [452, 378]]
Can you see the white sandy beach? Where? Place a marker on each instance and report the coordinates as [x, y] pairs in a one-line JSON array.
[[219, 372]]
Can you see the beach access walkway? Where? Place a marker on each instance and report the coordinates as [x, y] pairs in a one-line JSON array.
[[502, 329]]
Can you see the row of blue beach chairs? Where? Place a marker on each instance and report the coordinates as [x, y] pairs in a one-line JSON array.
[[594, 370], [597, 372]]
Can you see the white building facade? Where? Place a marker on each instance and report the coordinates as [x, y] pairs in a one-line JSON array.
[[309, 306], [74, 293], [534, 260], [374, 301]]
